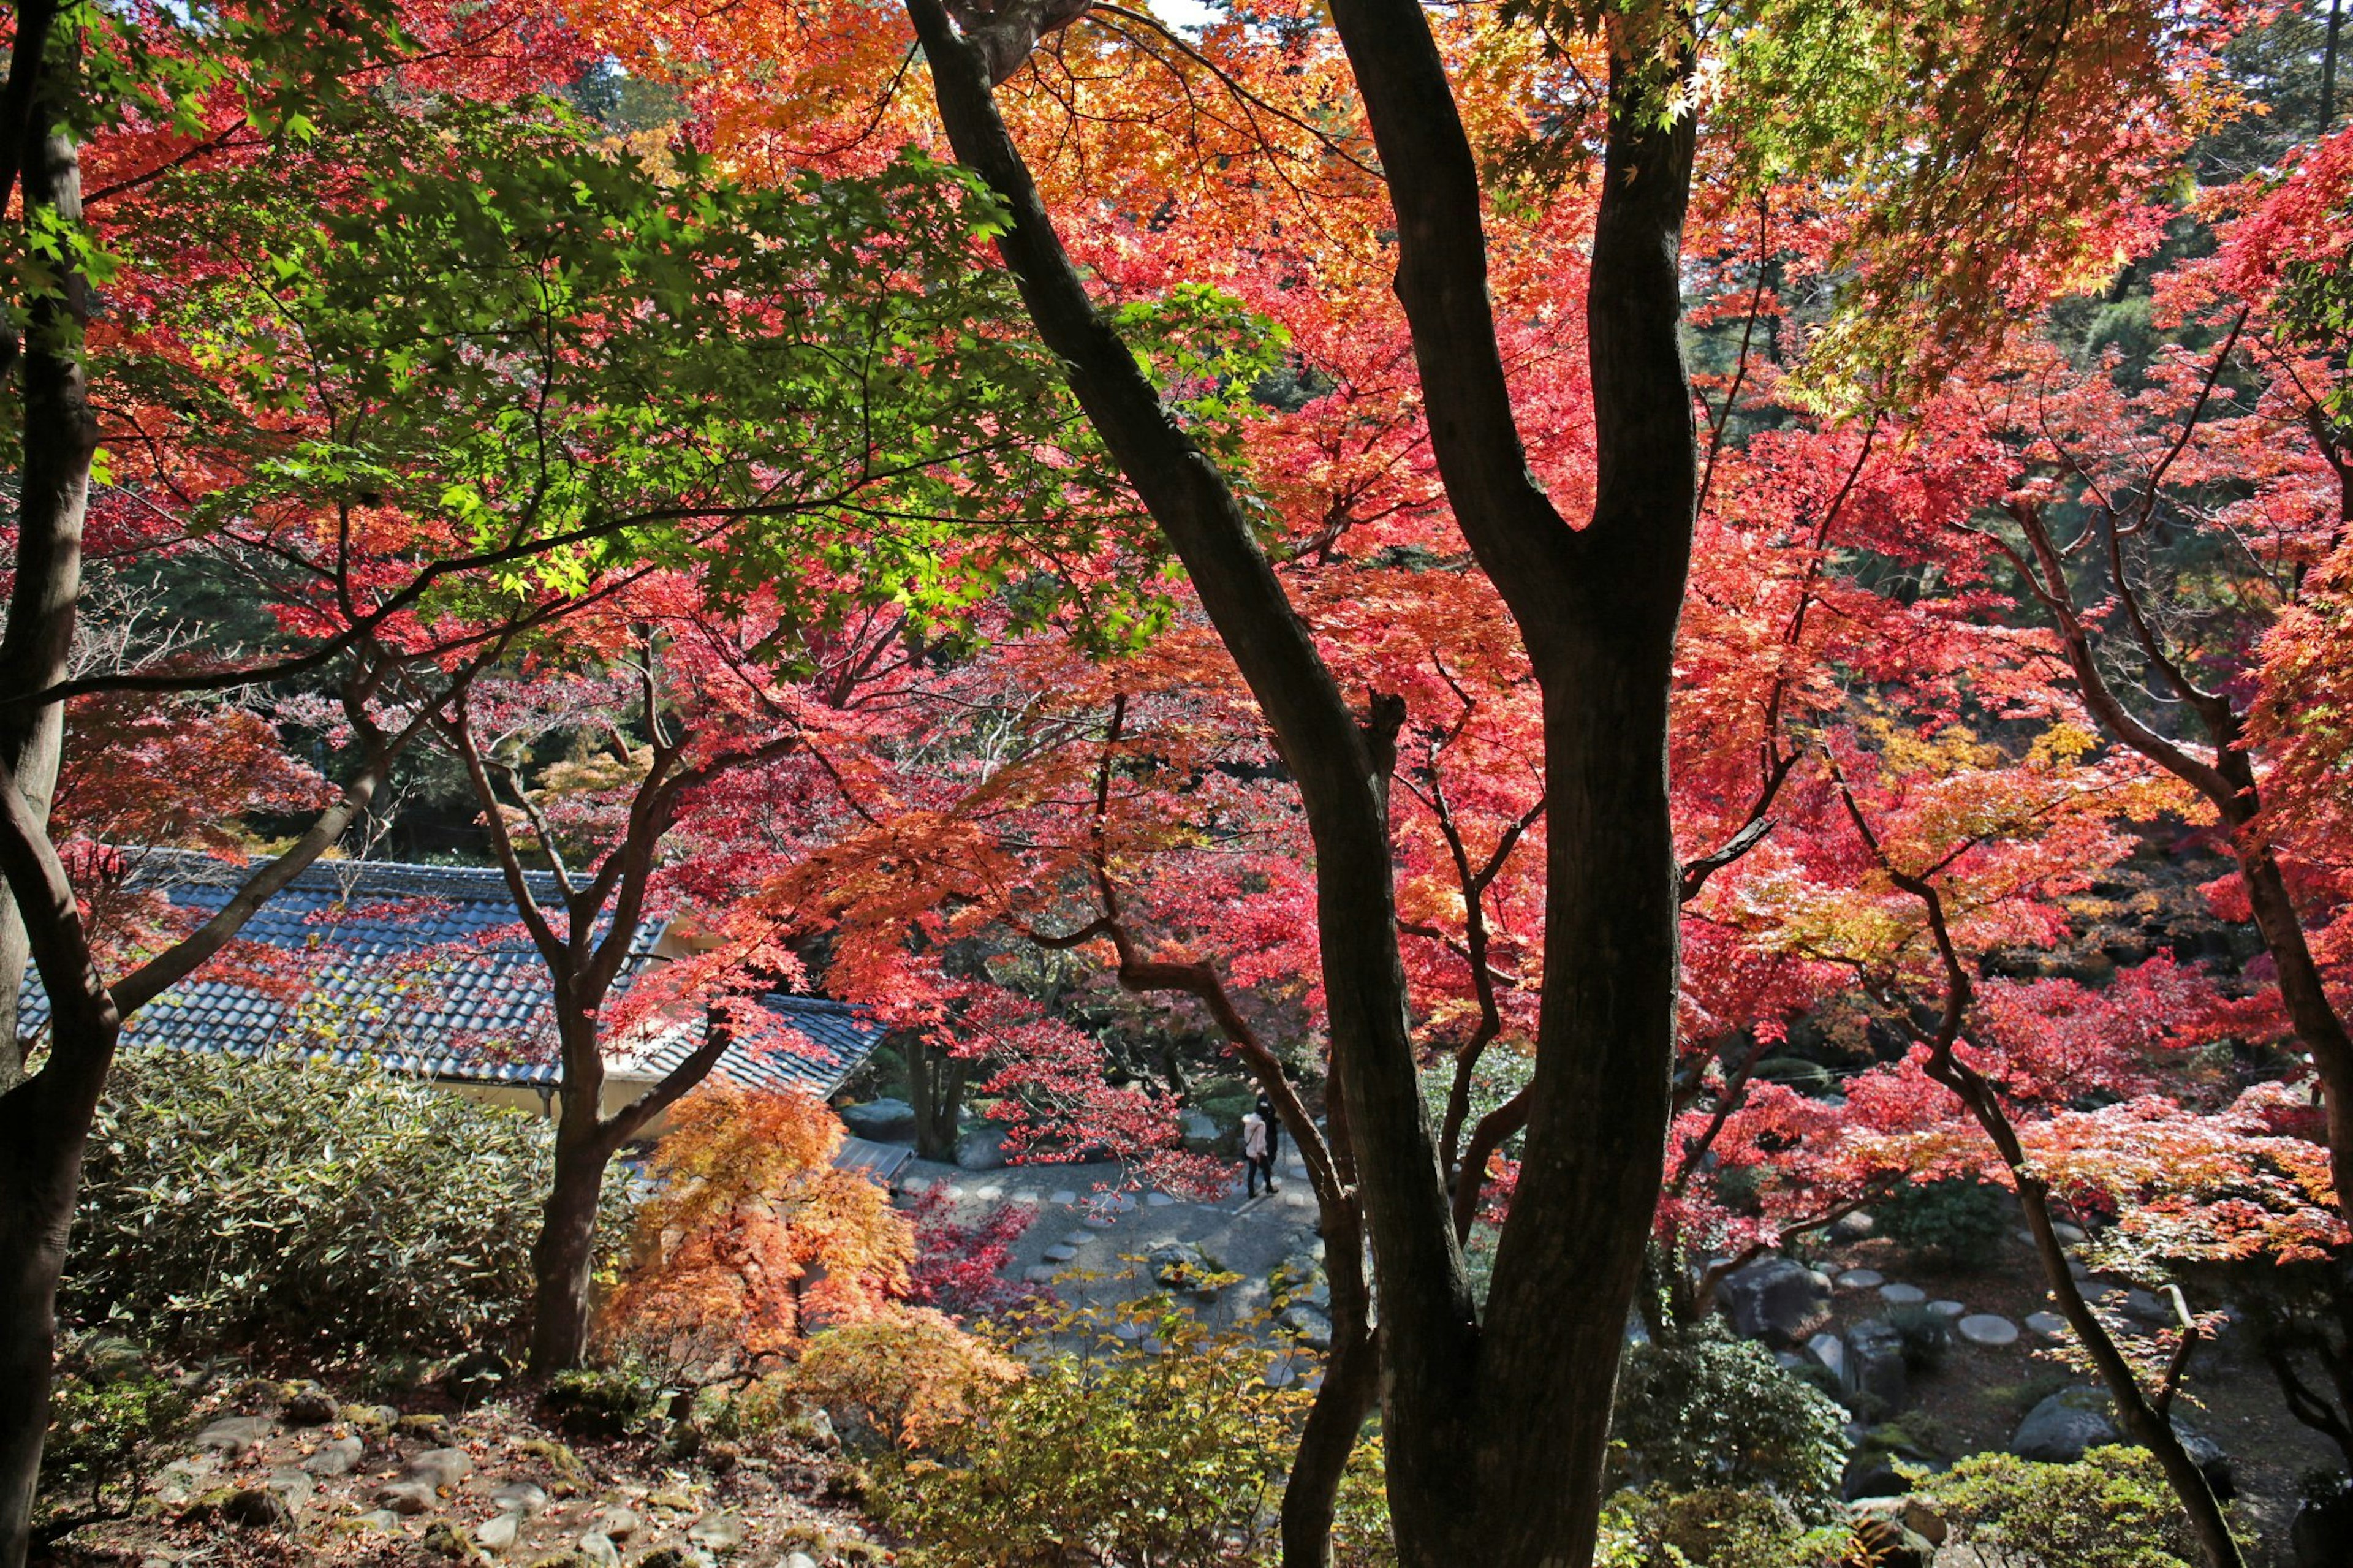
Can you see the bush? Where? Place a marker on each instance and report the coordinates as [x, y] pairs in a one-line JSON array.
[[320, 1209], [1704, 1412], [1659, 1527], [2109, 1509], [604, 1402], [1175, 1460], [909, 1373], [108, 1409], [1958, 1222]]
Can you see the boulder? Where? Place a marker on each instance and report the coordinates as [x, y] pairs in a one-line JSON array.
[[1872, 1474], [2208, 1456], [618, 1521], [256, 1508], [597, 1549], [1199, 1131], [981, 1149], [1831, 1350], [1775, 1299], [1179, 1265], [1854, 1227], [335, 1457], [2058, 1430], [525, 1497], [883, 1120], [234, 1434], [308, 1405], [295, 1486], [380, 1519], [441, 1467], [1307, 1324], [499, 1531], [408, 1497]]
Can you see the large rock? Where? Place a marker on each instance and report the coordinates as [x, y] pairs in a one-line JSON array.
[[981, 1149], [234, 1434], [1199, 1131], [2058, 1430], [1179, 1265], [441, 1468], [882, 1119], [308, 1404], [1775, 1299], [1309, 1325], [256, 1507], [335, 1457]]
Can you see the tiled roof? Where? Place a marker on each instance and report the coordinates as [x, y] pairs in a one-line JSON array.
[[425, 969]]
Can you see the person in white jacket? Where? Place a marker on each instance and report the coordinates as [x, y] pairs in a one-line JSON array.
[[1257, 1149]]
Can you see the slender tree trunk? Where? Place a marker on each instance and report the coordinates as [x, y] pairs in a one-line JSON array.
[[1351, 1390], [935, 1084], [564, 1257]]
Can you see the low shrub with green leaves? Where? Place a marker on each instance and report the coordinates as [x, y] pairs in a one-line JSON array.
[[2109, 1509], [108, 1409], [1704, 1412], [1959, 1223], [1117, 1455], [1716, 1527], [315, 1209]]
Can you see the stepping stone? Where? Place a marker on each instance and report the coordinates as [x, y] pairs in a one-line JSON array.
[[1065, 1197], [916, 1185], [1159, 1200], [1098, 1222], [1123, 1202], [1063, 1254], [2068, 1234], [1030, 1199], [1077, 1238], [2050, 1325], [406, 1497], [990, 1195], [1988, 1328], [441, 1468], [1901, 1295], [1041, 1274], [1281, 1373], [1948, 1310], [1300, 1200], [955, 1195], [1128, 1331], [1862, 1280], [716, 1533]]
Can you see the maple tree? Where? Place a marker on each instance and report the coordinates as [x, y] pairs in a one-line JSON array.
[[753, 1235]]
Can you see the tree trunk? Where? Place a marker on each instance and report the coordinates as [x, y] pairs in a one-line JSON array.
[[42, 1151], [935, 1084], [59, 435], [564, 1257], [1351, 1389]]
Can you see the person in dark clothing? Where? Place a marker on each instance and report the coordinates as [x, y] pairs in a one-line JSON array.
[[1261, 1137]]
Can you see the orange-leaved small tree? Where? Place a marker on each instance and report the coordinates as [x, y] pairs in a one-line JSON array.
[[753, 1236]]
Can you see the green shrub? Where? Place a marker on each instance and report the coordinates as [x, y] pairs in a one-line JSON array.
[[1704, 1411], [2109, 1509], [604, 1402], [313, 1208], [108, 1409], [1658, 1527], [1959, 1223], [1175, 1460]]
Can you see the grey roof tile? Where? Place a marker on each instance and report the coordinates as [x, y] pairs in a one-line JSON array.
[[428, 969]]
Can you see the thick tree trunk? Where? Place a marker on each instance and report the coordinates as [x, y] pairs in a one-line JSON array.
[[40, 1165], [564, 1257]]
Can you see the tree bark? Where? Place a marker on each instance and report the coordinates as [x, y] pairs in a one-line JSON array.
[[1495, 1439], [60, 434], [563, 1257]]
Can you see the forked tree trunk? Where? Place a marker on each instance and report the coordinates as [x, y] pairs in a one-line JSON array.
[[1495, 1436]]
